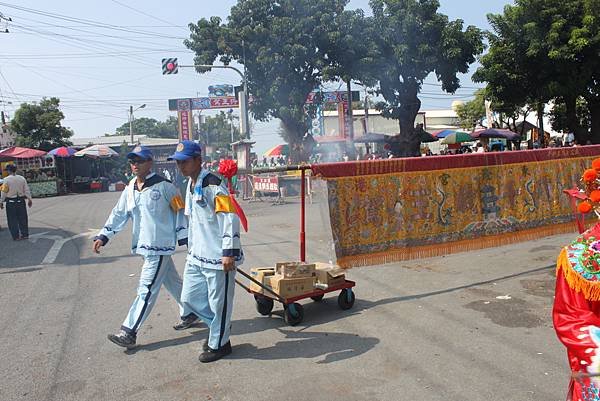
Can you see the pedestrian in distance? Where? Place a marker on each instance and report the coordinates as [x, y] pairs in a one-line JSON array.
[[14, 193], [159, 225], [214, 249]]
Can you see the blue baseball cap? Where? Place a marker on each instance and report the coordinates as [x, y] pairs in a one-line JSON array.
[[140, 151], [186, 150]]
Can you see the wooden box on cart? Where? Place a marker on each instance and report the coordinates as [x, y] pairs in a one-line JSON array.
[[329, 274], [262, 275], [291, 287], [295, 269]]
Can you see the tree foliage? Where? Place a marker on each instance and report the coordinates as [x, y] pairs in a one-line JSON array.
[[215, 131], [413, 41], [472, 113], [284, 46], [542, 50], [151, 127], [39, 125]]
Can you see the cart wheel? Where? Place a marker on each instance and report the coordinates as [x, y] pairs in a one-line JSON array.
[[318, 298], [294, 313], [346, 299], [264, 306]]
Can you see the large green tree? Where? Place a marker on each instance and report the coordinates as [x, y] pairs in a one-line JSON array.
[[284, 46], [414, 40], [574, 44], [542, 50], [39, 125]]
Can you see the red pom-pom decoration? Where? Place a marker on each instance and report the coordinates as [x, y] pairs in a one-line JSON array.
[[595, 196], [596, 164], [590, 175], [584, 207], [228, 168]]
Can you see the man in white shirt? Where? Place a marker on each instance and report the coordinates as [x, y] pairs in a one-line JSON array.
[[14, 192]]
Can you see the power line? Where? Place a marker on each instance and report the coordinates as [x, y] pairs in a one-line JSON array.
[[87, 22], [8, 84], [146, 14], [78, 29]]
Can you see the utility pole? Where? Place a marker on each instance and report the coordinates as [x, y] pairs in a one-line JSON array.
[[131, 110]]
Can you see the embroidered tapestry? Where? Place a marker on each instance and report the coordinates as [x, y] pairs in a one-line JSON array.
[[388, 210]]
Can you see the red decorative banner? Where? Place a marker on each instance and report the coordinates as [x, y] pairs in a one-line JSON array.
[[186, 125]]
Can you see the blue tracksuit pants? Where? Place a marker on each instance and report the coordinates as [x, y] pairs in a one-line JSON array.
[[208, 293], [156, 271]]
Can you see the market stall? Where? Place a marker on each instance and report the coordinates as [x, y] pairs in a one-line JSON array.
[[36, 166], [95, 180]]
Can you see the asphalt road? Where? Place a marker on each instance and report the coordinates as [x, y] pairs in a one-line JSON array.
[[430, 329]]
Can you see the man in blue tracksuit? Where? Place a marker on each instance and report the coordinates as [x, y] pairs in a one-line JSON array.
[[214, 249], [159, 224]]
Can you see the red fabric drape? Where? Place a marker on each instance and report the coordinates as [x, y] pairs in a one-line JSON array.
[[387, 166]]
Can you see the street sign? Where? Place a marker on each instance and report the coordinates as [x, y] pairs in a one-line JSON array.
[[221, 90], [265, 184], [170, 66], [201, 103], [333, 97]]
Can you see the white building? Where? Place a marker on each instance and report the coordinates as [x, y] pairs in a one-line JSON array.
[[432, 120]]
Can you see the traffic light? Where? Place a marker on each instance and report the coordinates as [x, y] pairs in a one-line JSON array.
[[170, 66]]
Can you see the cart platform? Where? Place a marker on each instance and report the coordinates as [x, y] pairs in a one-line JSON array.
[[293, 311]]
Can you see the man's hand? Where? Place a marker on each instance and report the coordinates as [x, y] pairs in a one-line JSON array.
[[228, 263], [97, 245], [29, 202]]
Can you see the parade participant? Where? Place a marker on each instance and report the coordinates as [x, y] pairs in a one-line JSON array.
[[576, 312], [156, 210], [214, 249], [14, 192]]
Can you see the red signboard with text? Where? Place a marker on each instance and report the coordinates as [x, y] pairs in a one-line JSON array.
[[265, 184]]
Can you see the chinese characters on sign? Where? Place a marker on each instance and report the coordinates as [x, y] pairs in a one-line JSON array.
[[266, 184], [185, 125], [201, 103]]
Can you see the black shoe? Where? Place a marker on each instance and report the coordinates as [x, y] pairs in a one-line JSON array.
[[212, 355], [205, 346], [123, 339], [186, 322]]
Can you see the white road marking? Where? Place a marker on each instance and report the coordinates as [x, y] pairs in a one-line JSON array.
[[58, 243]]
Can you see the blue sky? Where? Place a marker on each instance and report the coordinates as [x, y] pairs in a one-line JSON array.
[[101, 66]]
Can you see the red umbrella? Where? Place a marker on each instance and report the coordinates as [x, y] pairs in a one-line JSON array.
[[278, 150], [17, 152]]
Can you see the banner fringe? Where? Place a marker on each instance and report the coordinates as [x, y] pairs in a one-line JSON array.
[[589, 289], [428, 251]]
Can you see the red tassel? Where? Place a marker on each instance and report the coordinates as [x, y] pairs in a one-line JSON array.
[[239, 212]]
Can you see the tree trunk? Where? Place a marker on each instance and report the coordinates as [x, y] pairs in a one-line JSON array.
[[407, 143], [541, 133], [572, 121], [293, 133], [594, 107]]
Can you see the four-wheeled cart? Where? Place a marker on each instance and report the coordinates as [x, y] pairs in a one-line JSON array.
[[293, 311]]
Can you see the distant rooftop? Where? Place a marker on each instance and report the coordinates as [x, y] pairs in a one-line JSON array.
[[118, 140], [428, 113]]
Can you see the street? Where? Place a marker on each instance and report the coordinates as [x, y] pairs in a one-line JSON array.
[[467, 326]]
